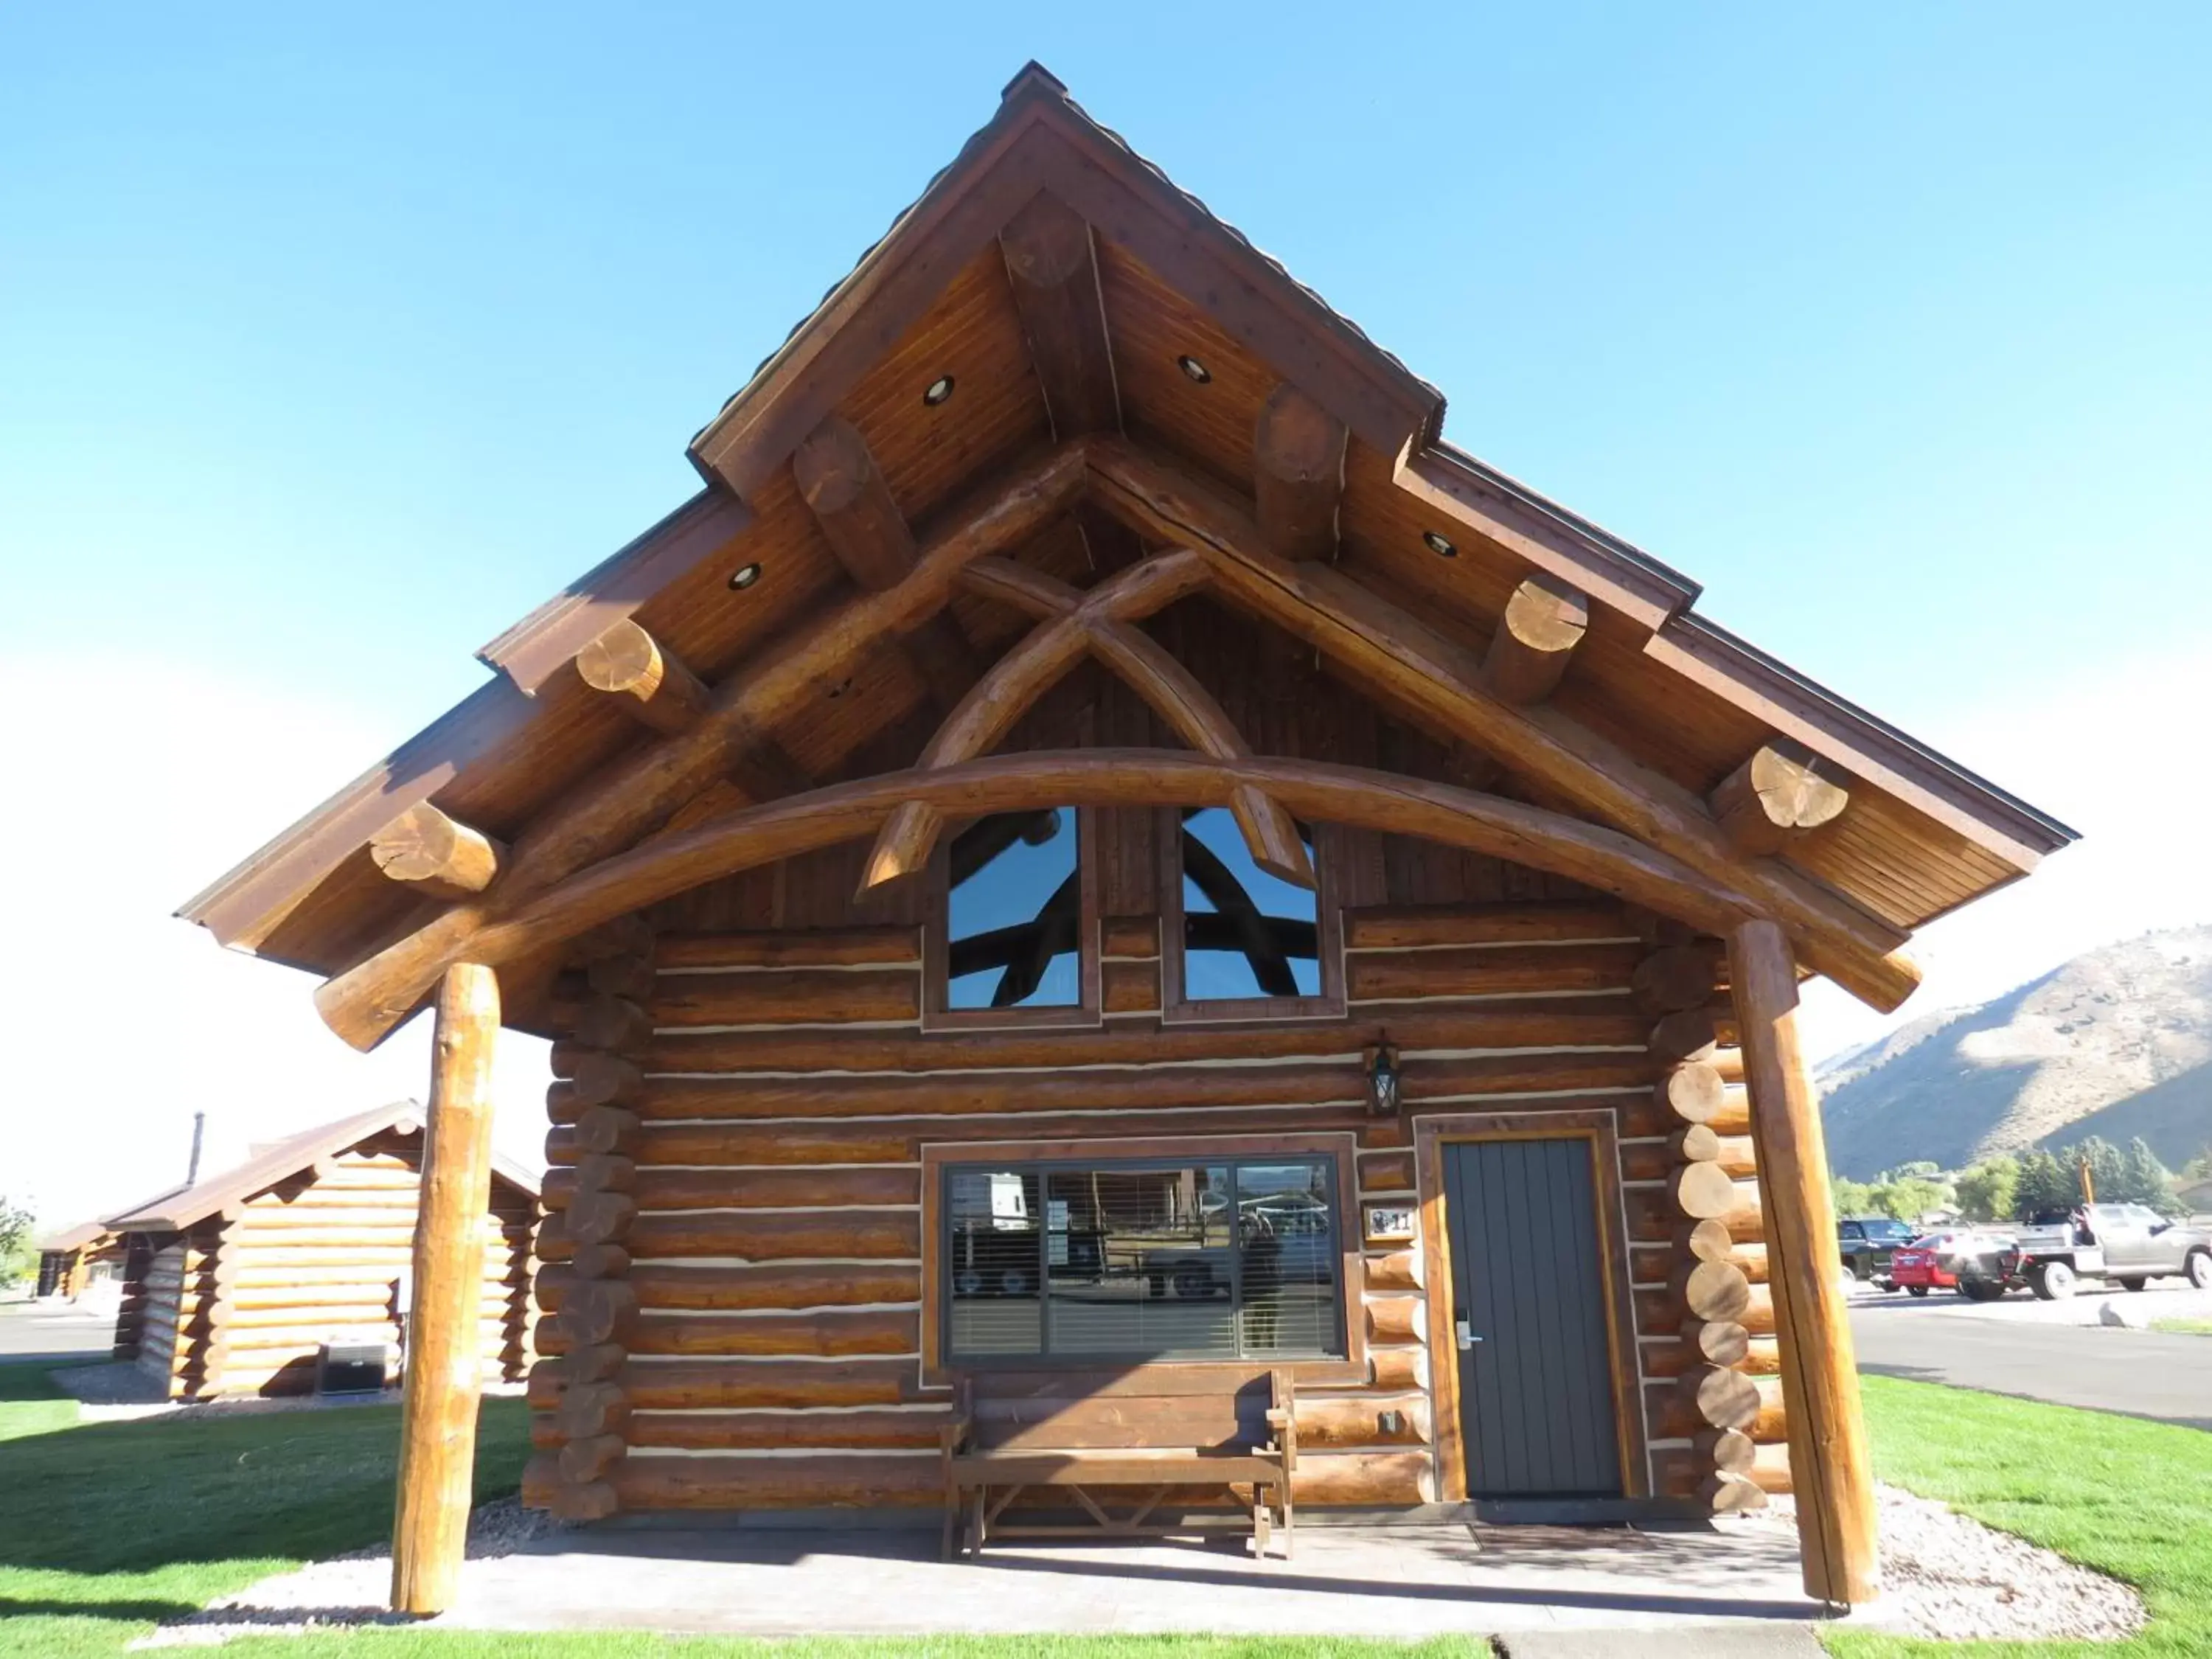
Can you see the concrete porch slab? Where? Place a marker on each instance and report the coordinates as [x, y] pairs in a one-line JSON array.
[[1401, 1581]]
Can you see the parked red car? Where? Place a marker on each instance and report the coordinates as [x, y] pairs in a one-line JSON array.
[[1921, 1266]]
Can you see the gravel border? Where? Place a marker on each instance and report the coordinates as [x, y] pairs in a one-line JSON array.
[[1947, 1577]]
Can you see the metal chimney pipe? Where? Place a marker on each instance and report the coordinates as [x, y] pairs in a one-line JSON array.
[[199, 1128]]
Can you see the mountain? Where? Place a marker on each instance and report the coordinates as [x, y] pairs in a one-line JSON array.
[[2115, 1043]]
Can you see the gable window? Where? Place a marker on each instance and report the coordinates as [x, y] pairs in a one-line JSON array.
[[1018, 941], [1242, 943], [1189, 1258]]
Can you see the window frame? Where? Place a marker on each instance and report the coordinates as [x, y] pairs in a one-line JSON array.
[[1338, 1147], [1176, 1008], [938, 1013]]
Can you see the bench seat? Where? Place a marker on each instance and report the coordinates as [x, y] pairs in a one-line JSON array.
[[1011, 1433]]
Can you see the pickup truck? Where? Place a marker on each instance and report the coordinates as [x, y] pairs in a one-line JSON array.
[[1866, 1242], [2124, 1243]]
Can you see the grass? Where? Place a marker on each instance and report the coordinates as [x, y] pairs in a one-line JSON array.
[[2128, 1497], [111, 1527], [2184, 1327]]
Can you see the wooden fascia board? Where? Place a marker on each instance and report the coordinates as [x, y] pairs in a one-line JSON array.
[[1464, 491], [547, 639], [245, 904], [1871, 750]]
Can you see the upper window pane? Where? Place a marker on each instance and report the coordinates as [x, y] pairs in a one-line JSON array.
[[1014, 920], [1245, 933]]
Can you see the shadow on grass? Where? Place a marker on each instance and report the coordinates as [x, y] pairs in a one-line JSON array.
[[145, 1611]]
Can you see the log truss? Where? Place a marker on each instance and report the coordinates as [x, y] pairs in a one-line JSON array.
[[1496, 707]]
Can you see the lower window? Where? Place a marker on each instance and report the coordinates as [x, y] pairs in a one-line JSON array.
[[1205, 1258]]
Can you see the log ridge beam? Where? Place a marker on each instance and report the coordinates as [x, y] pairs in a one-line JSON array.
[[1054, 270]]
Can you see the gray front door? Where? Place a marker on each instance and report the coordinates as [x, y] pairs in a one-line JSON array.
[[1536, 1377]]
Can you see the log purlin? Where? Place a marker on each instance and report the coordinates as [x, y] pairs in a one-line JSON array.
[[771, 1203]]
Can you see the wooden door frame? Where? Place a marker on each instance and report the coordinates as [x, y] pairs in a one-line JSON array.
[[1432, 1134]]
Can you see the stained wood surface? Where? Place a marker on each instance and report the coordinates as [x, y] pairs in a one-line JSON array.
[[438, 1412]]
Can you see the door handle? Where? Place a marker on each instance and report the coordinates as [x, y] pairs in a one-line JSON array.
[[1467, 1339]]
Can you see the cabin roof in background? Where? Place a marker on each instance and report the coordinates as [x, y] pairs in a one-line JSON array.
[[280, 1161], [74, 1238], [1686, 698]]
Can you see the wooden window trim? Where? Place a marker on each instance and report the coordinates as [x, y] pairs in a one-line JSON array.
[[936, 1013], [1430, 1136], [1340, 1145], [1176, 1009]]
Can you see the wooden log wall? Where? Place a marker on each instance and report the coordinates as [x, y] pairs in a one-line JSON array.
[[733, 1246], [320, 1259]]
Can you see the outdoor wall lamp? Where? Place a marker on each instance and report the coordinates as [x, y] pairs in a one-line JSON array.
[[1383, 1080]]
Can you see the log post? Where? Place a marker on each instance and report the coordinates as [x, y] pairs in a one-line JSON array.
[[444, 1357], [1820, 1374]]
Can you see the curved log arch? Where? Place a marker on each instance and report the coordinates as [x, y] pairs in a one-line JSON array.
[[1074, 624], [396, 977]]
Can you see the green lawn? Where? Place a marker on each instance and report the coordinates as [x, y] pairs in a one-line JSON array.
[[2128, 1497], [2184, 1327], [106, 1528]]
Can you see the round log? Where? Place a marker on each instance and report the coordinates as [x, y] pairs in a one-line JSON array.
[[605, 1172], [1681, 977], [595, 1078], [1781, 792], [1687, 1034], [1712, 1290], [1695, 1143], [607, 1130], [596, 1310], [1395, 1319], [771, 1286], [1297, 474], [1718, 1341], [615, 1024], [1327, 1421], [1730, 1494], [424, 848], [591, 1500], [632, 977], [599, 1218], [1399, 1369], [1545, 619], [585, 1461], [1401, 1270], [838, 1333], [1707, 1240], [600, 1262], [1692, 1092], [1703, 1190], [1719, 1397], [589, 1409]]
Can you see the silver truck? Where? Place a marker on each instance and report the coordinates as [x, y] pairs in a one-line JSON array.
[[2124, 1243]]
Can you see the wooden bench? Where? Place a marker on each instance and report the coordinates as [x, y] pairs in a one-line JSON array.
[[1148, 1433]]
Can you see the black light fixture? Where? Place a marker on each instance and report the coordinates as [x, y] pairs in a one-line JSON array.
[[937, 391], [1439, 545], [1194, 369], [745, 576], [1383, 1080]]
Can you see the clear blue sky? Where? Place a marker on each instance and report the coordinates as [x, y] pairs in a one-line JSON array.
[[332, 341]]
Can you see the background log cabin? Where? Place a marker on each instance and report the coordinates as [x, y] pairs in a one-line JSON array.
[[232, 1286], [71, 1261], [1068, 520]]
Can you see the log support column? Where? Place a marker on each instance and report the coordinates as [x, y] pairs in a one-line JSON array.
[[445, 1358], [1828, 1466]]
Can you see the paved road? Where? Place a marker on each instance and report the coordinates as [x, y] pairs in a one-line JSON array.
[[44, 1329], [2138, 1373]]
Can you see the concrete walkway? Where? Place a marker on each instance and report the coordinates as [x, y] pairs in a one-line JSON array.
[[1401, 1581]]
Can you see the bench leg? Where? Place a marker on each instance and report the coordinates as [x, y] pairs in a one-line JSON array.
[[1259, 1523], [1283, 1493], [952, 1521], [975, 1522]]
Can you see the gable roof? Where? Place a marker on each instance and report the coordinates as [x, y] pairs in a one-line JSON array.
[[280, 1161], [74, 1238], [1681, 694]]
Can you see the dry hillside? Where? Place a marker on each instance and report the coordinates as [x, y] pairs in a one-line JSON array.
[[2115, 1043]]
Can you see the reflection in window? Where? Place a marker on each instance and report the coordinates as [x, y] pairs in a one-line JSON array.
[[1222, 1259], [1245, 933], [1015, 916], [992, 1225]]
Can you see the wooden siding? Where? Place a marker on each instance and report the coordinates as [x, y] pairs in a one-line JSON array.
[[752, 1245]]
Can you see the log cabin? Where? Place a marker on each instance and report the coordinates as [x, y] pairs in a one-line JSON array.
[[76, 1258], [1099, 853], [234, 1285]]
